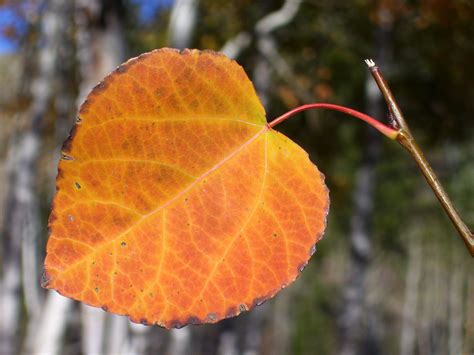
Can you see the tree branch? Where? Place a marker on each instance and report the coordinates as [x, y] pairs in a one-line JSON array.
[[274, 20], [279, 18], [406, 139]]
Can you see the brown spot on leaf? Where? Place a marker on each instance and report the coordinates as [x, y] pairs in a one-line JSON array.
[[122, 69], [66, 157], [211, 317], [100, 86], [194, 321]]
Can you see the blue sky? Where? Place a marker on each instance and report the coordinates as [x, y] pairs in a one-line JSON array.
[[148, 8], [147, 11], [9, 18]]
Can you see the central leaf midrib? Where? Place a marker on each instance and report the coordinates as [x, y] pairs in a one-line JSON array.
[[263, 130]]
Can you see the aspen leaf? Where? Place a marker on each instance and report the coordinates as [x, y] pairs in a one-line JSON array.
[[176, 203]]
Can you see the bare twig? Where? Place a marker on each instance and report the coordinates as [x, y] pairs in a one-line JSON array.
[[269, 23], [406, 139], [234, 46], [278, 18]]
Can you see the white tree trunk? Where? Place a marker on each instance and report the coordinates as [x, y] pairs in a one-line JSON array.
[[47, 336], [182, 22], [138, 342], [410, 305], [93, 330], [468, 343], [456, 313], [117, 334], [228, 343], [179, 342], [21, 228], [357, 316]]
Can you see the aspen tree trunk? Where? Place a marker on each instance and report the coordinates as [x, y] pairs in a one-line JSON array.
[[355, 334], [434, 305], [44, 333], [468, 343], [182, 22], [410, 305], [456, 314], [352, 320], [440, 306], [228, 343], [179, 342], [423, 343], [138, 342], [115, 333], [22, 227], [281, 323], [46, 336], [100, 48], [458, 274], [254, 330]]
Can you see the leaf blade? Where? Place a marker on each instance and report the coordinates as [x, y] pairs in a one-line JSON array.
[[169, 224]]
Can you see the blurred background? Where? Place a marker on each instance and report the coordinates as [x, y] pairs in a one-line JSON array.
[[391, 275]]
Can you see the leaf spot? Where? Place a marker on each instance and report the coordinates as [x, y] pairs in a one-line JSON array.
[[211, 317]]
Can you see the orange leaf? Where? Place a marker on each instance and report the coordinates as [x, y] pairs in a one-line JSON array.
[[176, 203]]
